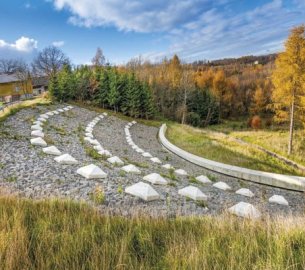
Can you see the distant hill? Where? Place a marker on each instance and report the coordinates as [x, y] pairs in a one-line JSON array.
[[244, 60]]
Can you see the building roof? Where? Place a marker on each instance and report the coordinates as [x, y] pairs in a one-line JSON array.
[[7, 78], [40, 81]]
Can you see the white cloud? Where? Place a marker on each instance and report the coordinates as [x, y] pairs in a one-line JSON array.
[[59, 43], [195, 29], [132, 15], [23, 44]]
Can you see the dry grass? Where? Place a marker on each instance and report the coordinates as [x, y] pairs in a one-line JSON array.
[[24, 104], [222, 148], [66, 235]]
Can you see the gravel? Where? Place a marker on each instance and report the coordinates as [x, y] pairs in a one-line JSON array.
[[26, 170]]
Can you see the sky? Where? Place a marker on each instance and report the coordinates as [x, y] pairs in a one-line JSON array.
[[152, 29]]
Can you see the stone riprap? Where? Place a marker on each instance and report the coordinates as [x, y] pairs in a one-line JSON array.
[[31, 172]]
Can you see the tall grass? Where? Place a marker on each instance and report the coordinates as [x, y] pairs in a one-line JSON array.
[[57, 234]]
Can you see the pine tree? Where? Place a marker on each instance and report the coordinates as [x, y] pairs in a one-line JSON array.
[[104, 87], [288, 79], [53, 87], [113, 94]]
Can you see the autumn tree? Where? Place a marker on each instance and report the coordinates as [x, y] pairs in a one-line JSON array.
[[259, 101], [288, 79]]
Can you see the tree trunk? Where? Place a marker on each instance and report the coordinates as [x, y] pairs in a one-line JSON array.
[[184, 108], [291, 129]]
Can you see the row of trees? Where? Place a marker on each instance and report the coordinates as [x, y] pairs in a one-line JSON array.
[[104, 86]]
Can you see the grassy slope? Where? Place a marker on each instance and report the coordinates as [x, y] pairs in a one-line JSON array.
[[221, 148], [24, 104], [66, 235]]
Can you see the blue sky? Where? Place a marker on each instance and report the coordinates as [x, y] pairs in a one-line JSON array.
[[154, 29]]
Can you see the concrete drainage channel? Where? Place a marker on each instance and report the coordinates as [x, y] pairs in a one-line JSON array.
[[272, 179]]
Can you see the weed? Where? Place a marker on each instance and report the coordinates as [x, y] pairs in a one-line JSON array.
[[203, 204], [122, 173], [11, 179], [97, 195], [193, 180], [120, 189]]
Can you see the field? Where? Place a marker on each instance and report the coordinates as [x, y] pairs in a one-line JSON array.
[[223, 148], [66, 235]]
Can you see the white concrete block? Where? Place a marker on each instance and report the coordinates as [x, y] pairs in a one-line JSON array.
[[134, 122], [60, 110], [45, 116], [156, 160], [98, 148], [181, 172], [36, 127], [115, 160], [203, 179], [222, 185], [278, 199], [40, 119], [38, 141], [50, 113], [245, 192], [37, 133], [95, 142], [66, 159], [139, 150], [168, 167], [55, 112], [193, 193], [131, 169], [39, 123], [89, 129], [51, 150], [143, 191], [66, 109], [89, 134], [155, 178], [245, 210], [105, 153], [105, 113], [146, 154], [92, 172]]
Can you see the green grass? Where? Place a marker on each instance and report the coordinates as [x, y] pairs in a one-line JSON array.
[[220, 147], [65, 235]]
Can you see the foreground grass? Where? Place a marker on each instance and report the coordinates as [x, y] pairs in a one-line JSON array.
[[24, 104], [67, 235], [221, 148]]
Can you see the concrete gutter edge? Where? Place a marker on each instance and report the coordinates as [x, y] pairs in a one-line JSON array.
[[272, 179]]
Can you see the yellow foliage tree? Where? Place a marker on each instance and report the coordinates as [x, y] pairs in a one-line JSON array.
[[289, 82]]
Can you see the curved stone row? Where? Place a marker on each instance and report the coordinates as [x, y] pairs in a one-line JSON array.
[[146, 192]]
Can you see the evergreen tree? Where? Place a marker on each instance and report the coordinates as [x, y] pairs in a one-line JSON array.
[[113, 94]]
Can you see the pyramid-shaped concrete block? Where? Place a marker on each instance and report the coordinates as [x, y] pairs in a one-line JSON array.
[[181, 172], [98, 148], [45, 116], [155, 179], [89, 129], [42, 119], [36, 127], [88, 139], [66, 159], [168, 167], [50, 113], [37, 133], [66, 109], [105, 153], [51, 150], [55, 112], [245, 210], [38, 123], [139, 150], [245, 192], [60, 110], [95, 142], [203, 179], [156, 160], [92, 172], [101, 116], [105, 114], [143, 191], [146, 154], [193, 192], [115, 160], [134, 122], [89, 134], [278, 199], [131, 169], [38, 141], [222, 186]]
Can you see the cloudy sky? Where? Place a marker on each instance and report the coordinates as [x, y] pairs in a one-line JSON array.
[[194, 29]]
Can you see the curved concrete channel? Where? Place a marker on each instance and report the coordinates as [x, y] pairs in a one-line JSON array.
[[272, 179]]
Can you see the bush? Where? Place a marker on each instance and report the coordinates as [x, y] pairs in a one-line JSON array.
[[256, 122], [193, 119]]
